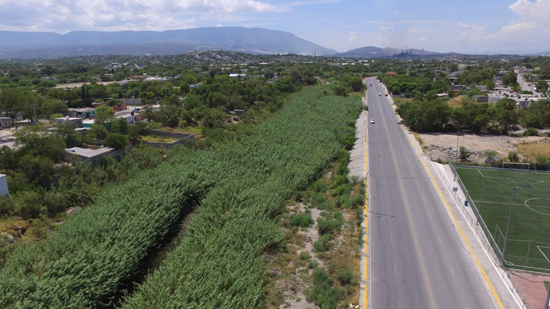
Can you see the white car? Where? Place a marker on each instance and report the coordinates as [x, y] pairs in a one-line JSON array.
[[379, 94], [372, 121]]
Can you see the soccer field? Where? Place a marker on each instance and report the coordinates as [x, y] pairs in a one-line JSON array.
[[529, 235]]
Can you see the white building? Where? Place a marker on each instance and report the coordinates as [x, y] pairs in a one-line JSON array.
[[3, 185]]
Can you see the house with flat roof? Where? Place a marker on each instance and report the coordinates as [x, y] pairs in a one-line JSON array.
[[89, 155], [77, 122], [83, 113], [131, 101]]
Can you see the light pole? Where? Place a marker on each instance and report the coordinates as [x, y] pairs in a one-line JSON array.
[[516, 189], [482, 184]]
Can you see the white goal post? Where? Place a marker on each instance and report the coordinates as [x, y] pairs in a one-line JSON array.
[[516, 165]]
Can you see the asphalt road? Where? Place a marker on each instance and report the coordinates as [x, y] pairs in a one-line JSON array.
[[417, 258]]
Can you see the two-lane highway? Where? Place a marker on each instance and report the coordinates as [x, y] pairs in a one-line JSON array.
[[417, 258]]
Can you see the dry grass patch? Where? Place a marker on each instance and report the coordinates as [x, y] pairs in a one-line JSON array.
[[398, 101], [455, 102], [534, 150]]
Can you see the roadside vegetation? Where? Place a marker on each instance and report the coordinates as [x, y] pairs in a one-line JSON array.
[[238, 189], [319, 259]]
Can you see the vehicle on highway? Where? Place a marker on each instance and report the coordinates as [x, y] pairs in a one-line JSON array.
[[386, 95], [379, 94], [372, 121]]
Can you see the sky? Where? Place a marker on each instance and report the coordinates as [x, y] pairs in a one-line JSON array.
[[464, 26]]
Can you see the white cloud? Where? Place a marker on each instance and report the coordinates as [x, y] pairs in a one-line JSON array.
[[352, 37], [532, 23], [416, 30], [66, 15]]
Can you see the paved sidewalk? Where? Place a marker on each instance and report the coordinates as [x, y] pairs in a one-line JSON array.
[[482, 256]]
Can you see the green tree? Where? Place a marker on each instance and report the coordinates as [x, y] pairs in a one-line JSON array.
[[134, 131], [119, 125], [11, 102], [214, 119], [68, 133], [53, 106], [115, 140], [38, 169], [191, 101], [113, 102], [542, 86], [39, 143], [509, 79], [98, 132], [104, 114]]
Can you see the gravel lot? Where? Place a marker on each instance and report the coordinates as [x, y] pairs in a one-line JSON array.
[[441, 146]]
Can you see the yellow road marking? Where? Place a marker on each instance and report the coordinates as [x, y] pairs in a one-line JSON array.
[[464, 237], [414, 144]]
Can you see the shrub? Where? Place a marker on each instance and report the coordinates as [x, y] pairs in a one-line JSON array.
[[312, 264], [344, 276], [323, 293], [317, 199], [301, 221], [329, 223], [464, 153], [531, 132], [329, 206], [304, 256], [318, 186], [490, 154], [513, 156], [543, 160], [28, 204], [323, 244], [341, 190], [154, 125], [358, 199]]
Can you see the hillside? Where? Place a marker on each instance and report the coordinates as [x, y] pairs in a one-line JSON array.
[[377, 52], [78, 43]]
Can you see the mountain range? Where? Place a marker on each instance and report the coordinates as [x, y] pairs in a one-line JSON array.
[[42, 45], [377, 52], [78, 43]]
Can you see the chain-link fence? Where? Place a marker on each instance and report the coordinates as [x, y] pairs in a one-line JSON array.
[[534, 257]]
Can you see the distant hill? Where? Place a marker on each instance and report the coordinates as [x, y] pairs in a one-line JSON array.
[[377, 52], [249, 40]]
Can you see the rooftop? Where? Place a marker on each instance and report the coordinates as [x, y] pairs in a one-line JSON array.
[[87, 152]]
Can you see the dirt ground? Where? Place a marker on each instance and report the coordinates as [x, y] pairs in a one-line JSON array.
[[531, 288], [442, 146]]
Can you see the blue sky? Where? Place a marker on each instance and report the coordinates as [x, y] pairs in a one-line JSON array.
[[467, 26]]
